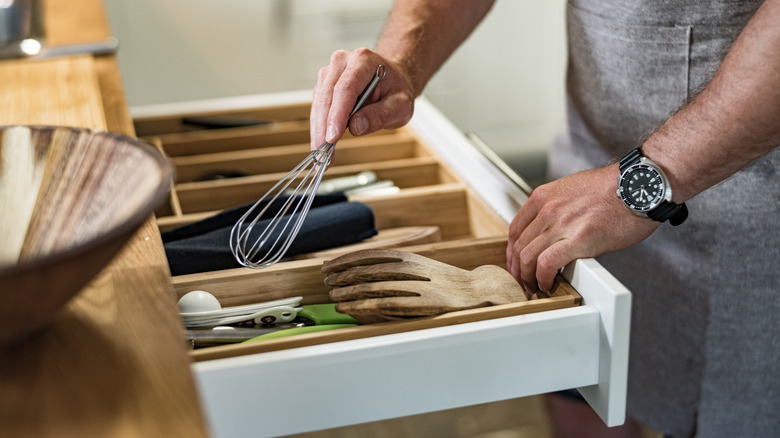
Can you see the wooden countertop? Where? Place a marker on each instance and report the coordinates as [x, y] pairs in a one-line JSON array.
[[113, 362]]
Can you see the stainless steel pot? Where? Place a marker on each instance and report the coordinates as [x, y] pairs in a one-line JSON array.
[[19, 20]]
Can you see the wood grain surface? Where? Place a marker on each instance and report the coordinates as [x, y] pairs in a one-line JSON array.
[[112, 363], [61, 91], [389, 238], [378, 285], [202, 196]]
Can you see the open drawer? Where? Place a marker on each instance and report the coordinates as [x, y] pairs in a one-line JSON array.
[[578, 338]]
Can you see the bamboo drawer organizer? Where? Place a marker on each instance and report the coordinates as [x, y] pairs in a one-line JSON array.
[[432, 196]]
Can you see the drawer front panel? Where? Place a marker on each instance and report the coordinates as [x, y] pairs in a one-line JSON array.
[[389, 376]]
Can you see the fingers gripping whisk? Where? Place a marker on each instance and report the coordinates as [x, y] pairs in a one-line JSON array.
[[262, 236]]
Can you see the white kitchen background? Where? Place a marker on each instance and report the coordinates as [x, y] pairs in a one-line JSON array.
[[506, 84]]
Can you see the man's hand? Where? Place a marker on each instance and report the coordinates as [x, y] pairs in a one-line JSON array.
[[340, 83], [578, 216], [418, 37]]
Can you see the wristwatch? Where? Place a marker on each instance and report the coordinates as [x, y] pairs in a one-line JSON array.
[[645, 190]]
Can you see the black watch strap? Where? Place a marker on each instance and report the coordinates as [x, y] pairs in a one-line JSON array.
[[630, 159], [675, 213]]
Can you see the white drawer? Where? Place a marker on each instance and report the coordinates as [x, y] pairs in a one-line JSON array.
[[314, 387]]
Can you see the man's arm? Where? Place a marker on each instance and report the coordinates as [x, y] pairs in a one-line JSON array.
[[420, 35], [418, 38], [735, 120]]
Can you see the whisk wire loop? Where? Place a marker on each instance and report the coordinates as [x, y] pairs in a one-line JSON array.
[[279, 232]]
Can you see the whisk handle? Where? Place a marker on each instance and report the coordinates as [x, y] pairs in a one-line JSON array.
[[381, 71]]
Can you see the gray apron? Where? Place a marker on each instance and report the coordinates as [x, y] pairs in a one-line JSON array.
[[705, 339]]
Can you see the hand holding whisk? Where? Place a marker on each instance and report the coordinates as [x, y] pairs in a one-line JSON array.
[[281, 214]]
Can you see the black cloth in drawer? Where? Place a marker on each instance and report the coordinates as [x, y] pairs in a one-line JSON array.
[[204, 245]]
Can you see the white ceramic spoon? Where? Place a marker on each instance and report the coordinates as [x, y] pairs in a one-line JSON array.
[[200, 308]]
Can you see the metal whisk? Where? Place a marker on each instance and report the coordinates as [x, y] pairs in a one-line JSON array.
[[289, 209]]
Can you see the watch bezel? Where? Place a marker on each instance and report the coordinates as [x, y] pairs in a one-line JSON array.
[[643, 163]]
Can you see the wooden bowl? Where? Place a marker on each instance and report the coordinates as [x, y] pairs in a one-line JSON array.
[[69, 200]]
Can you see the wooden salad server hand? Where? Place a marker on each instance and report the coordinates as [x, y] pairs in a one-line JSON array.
[[377, 285]]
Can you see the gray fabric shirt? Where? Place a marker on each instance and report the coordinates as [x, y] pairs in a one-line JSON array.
[[705, 340]]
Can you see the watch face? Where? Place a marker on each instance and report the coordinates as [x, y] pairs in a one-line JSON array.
[[641, 187]]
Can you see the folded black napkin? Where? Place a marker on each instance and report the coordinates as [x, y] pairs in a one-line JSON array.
[[204, 245]]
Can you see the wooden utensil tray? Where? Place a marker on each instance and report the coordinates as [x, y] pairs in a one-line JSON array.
[[431, 195]]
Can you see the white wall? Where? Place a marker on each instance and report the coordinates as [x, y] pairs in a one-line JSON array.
[[505, 83]]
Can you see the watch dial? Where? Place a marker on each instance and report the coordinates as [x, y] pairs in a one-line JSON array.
[[641, 187]]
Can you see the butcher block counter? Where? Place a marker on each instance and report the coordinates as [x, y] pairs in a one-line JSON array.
[[113, 362]]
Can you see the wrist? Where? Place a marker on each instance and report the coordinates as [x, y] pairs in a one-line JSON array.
[[673, 171], [404, 62]]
